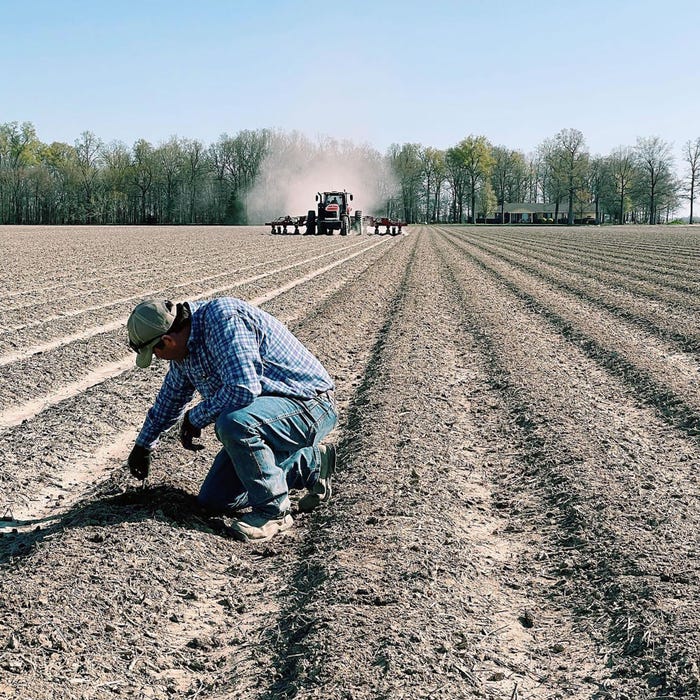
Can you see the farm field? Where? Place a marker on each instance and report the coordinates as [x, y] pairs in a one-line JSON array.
[[515, 513]]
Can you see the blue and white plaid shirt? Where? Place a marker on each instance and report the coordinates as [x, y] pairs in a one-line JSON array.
[[236, 353]]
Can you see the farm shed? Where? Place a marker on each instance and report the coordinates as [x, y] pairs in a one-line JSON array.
[[537, 213]]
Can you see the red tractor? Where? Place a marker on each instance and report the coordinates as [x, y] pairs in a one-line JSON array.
[[333, 215]]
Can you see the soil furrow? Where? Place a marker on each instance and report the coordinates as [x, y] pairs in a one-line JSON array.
[[606, 249], [588, 451], [403, 578], [192, 620], [649, 377], [643, 357], [668, 322], [26, 382], [647, 286]]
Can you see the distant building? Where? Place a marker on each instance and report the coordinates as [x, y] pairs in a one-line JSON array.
[[538, 213]]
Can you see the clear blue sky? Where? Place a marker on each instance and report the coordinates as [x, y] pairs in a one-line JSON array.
[[372, 71]]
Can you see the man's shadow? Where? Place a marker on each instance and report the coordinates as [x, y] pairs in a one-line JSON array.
[[164, 502]]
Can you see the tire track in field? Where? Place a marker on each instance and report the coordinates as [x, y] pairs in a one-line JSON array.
[[69, 251], [16, 415], [137, 277], [28, 379], [222, 266], [96, 277], [614, 576], [92, 467], [668, 403], [133, 541]]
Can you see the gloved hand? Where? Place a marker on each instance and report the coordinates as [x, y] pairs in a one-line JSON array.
[[139, 462], [187, 432]]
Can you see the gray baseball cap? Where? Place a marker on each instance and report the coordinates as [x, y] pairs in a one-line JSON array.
[[148, 323]]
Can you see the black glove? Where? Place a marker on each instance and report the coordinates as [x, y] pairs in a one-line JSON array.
[[139, 462], [187, 432]]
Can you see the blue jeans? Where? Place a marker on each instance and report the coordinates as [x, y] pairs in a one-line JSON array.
[[270, 446]]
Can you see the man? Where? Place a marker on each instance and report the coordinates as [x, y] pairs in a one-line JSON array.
[[270, 400]]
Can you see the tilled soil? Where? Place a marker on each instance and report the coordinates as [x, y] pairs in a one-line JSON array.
[[516, 509]]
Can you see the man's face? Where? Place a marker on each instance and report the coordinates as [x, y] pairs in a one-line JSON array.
[[173, 346]]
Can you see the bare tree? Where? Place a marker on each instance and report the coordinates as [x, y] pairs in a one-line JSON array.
[[655, 161], [87, 150], [117, 163], [433, 162], [144, 165], [551, 174], [508, 177], [196, 165], [457, 178], [621, 166], [407, 167], [171, 163], [691, 155], [572, 164]]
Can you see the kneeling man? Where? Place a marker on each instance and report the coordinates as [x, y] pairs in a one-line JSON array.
[[270, 400]]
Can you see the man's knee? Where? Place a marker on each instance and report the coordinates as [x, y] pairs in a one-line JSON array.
[[234, 426]]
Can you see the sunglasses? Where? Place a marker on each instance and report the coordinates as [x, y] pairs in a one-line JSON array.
[[158, 346]]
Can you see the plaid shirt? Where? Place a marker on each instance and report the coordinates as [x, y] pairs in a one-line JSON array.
[[236, 353]]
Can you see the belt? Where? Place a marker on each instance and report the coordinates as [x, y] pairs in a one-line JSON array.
[[328, 394]]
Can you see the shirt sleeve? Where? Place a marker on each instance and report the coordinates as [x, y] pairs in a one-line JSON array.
[[175, 393], [234, 343]]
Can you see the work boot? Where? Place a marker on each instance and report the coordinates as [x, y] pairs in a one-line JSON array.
[[259, 527], [320, 492]]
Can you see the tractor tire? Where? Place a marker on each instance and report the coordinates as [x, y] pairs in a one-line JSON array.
[[311, 223], [345, 225], [321, 229]]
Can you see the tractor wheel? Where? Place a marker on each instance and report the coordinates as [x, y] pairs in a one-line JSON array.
[[311, 223], [321, 229], [344, 225]]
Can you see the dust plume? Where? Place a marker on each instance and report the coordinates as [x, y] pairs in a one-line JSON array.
[[295, 169]]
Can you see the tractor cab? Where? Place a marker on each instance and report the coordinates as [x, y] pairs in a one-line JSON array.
[[333, 212]]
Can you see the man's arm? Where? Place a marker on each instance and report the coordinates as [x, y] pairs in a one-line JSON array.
[[174, 395]]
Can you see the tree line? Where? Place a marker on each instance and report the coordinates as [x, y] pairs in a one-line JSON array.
[[184, 181], [469, 181]]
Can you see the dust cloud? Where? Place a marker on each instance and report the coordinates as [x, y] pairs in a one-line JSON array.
[[296, 168]]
